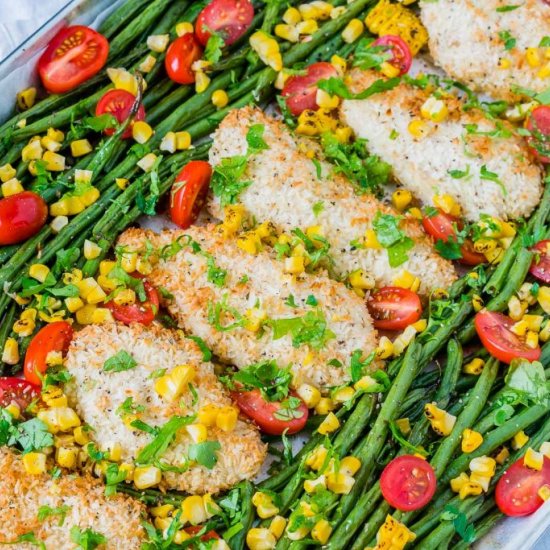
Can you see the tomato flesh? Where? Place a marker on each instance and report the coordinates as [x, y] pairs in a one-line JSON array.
[[139, 312], [195, 529], [189, 192], [74, 55], [494, 331], [538, 123], [17, 391], [394, 308], [21, 216], [441, 227], [516, 493], [264, 413], [119, 104], [300, 91], [230, 18], [181, 55], [54, 337], [408, 483], [399, 49], [540, 266]]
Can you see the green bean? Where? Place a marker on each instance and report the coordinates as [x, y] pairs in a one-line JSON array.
[[115, 20], [246, 491], [6, 326]]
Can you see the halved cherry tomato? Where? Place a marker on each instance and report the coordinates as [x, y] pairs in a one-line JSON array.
[[516, 493], [408, 483], [209, 535], [139, 312], [21, 216], [74, 55], [18, 391], [181, 54], [394, 308], [301, 91], [538, 123], [401, 53], [442, 227], [119, 104], [494, 331], [189, 192], [53, 337], [230, 18], [540, 267], [263, 412]]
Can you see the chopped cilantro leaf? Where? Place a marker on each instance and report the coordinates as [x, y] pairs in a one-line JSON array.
[[392, 238], [47, 511], [119, 362], [272, 381], [87, 539], [317, 208], [226, 179], [255, 139], [205, 453], [206, 353], [310, 329], [508, 39]]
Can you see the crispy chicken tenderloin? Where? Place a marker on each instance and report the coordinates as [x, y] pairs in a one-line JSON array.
[[98, 395], [82, 498], [343, 323], [468, 39], [423, 165], [285, 187]]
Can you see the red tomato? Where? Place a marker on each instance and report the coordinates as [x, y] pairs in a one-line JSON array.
[[538, 123], [494, 331], [139, 312], [401, 53], [53, 337], [540, 267], [301, 90], [18, 391], [230, 18], [181, 54], [21, 216], [263, 412], [516, 491], [442, 227], [189, 192], [408, 483], [394, 308], [119, 104], [209, 535], [74, 55]]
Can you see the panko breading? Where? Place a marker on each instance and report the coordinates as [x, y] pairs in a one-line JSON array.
[[258, 281], [423, 164], [82, 500], [97, 396], [475, 43], [285, 187]]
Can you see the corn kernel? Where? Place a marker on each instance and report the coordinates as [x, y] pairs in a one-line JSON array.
[[162, 511], [260, 538], [193, 510], [532, 459], [80, 436], [324, 406], [350, 465], [339, 63], [59, 419], [34, 463], [147, 476], [226, 418], [141, 131], [532, 339], [502, 455], [58, 223], [342, 395], [54, 161], [470, 489], [353, 31], [310, 395], [26, 98], [504, 63], [287, 32], [340, 483], [168, 142], [14, 410], [158, 42], [91, 250], [483, 465], [146, 66], [321, 531], [66, 457], [418, 128], [267, 49], [84, 315], [307, 27], [7, 172], [401, 198], [12, 187], [532, 57], [220, 99], [311, 485], [197, 432], [147, 162], [385, 348], [471, 440], [329, 424], [544, 492], [545, 71], [325, 100], [294, 265], [185, 27], [202, 81], [481, 479], [10, 353], [434, 109], [50, 145], [458, 482], [277, 526], [39, 272], [183, 140], [32, 151], [519, 440]]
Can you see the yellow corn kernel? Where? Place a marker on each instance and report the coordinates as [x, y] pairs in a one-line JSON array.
[[545, 449], [544, 71], [471, 440], [162, 511], [292, 16], [404, 425], [92, 194], [197, 432], [401, 198], [206, 415], [342, 395], [317, 458], [168, 142], [442, 422], [533, 322], [39, 272], [7, 172], [340, 483], [74, 205], [59, 208], [421, 324], [202, 81], [58, 223], [458, 482], [91, 291], [267, 49], [404, 279], [80, 436], [481, 479], [26, 98], [193, 510], [519, 440], [91, 250], [418, 128], [309, 26], [84, 315], [365, 383], [343, 134], [32, 151], [532, 57], [516, 309], [415, 213], [532, 339], [321, 531], [326, 101], [389, 70], [350, 465], [447, 204], [544, 492], [311, 485], [260, 538], [106, 266], [146, 66], [14, 410], [141, 131], [385, 348], [533, 459], [220, 99], [403, 340], [59, 419], [128, 261], [124, 80], [50, 145], [360, 279], [470, 489], [477, 302], [329, 424], [185, 27], [434, 109], [339, 63], [268, 510], [277, 526], [54, 396], [24, 327], [543, 298], [147, 162], [324, 406], [483, 465], [34, 463], [370, 240], [287, 32], [172, 385], [147, 476], [226, 418], [504, 63], [158, 42], [54, 161], [294, 265], [125, 297], [183, 140], [475, 366], [10, 353], [309, 394], [66, 457], [502, 456], [354, 29]]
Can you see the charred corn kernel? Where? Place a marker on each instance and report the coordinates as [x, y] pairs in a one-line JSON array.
[[34, 463], [7, 172], [91, 250], [168, 142], [26, 98], [292, 16], [502, 456], [340, 483], [321, 531], [533, 459], [193, 510], [73, 277], [206, 415], [389, 70], [39, 272], [294, 265], [24, 327], [183, 140], [519, 440], [125, 297], [404, 425], [442, 422], [516, 309], [10, 353], [494, 256], [317, 458], [370, 240], [475, 366], [360, 279], [343, 134], [470, 489], [158, 42], [84, 315], [311, 485], [481, 479], [185, 27], [543, 298], [477, 302], [350, 465], [267, 49], [458, 482], [485, 245], [197, 432], [12, 187], [329, 424], [418, 128], [544, 71], [32, 151], [50, 145], [233, 218], [226, 419], [385, 348], [202, 81], [141, 131], [277, 526], [483, 465], [54, 161], [307, 27], [354, 29], [309, 394], [66, 457], [147, 476], [532, 57], [146, 66], [401, 198], [532, 339], [287, 32], [325, 100], [59, 419], [434, 109], [447, 204], [342, 395], [220, 99], [80, 436], [471, 440], [260, 538], [54, 396], [544, 492], [147, 162], [14, 410], [339, 63], [324, 406], [161, 511]]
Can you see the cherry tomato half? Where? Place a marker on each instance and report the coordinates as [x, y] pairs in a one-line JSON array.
[[21, 216], [181, 54], [230, 18], [540, 267], [139, 312], [408, 483], [394, 308], [538, 123], [74, 55], [494, 331], [516, 493], [53, 337], [399, 49], [119, 104], [264, 413], [442, 227], [189, 192], [18, 391], [194, 529], [300, 91]]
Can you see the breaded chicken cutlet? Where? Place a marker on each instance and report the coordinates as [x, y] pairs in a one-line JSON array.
[[285, 187], [109, 400]]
